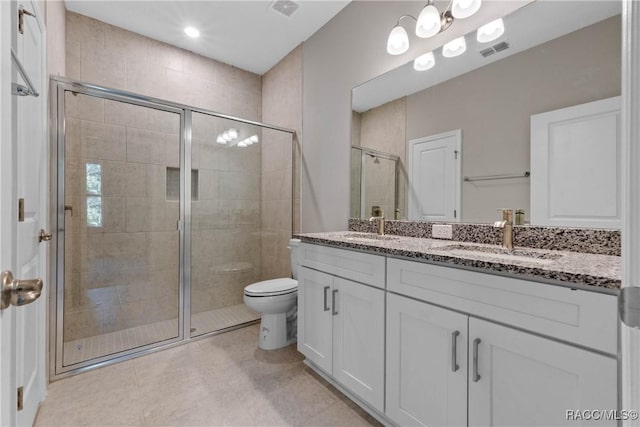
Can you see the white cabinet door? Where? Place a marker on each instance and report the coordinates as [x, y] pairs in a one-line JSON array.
[[434, 177], [315, 322], [575, 166], [358, 340], [523, 379], [426, 364]]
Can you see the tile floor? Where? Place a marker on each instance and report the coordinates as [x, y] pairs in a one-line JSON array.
[[222, 380], [112, 342]]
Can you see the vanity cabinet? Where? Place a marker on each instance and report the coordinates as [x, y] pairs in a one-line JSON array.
[[341, 330], [524, 379], [462, 347], [426, 364], [513, 377]]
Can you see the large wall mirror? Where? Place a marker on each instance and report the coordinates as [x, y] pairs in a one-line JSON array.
[[493, 127]]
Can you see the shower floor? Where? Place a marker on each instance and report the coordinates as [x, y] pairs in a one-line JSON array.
[[113, 342]]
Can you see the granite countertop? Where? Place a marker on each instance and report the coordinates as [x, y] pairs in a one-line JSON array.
[[600, 273]]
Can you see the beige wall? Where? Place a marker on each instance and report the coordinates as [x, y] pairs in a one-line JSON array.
[[105, 55], [56, 37], [346, 52], [282, 106], [493, 105]]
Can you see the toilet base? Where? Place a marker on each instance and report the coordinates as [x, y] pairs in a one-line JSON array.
[[273, 332]]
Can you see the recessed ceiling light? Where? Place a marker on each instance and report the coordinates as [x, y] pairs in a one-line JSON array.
[[192, 32]]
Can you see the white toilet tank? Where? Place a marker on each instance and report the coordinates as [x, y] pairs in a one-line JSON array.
[[293, 254]]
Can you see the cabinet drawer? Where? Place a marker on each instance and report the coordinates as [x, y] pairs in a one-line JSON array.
[[357, 266], [580, 317]]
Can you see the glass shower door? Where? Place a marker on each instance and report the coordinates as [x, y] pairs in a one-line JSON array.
[[122, 188], [241, 216]]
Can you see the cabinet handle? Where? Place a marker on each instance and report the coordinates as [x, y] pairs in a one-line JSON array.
[[326, 298], [333, 302], [454, 351], [476, 374]]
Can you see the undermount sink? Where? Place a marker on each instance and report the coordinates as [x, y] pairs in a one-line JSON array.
[[367, 236], [503, 252]]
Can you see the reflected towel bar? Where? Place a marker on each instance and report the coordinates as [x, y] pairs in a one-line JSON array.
[[18, 89], [526, 174]]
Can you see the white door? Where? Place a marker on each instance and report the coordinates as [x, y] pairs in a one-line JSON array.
[[576, 166], [315, 330], [434, 177], [426, 364], [523, 379], [23, 178], [358, 340]]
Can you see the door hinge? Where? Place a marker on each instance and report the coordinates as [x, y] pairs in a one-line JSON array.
[[455, 213], [180, 225], [20, 398], [455, 154], [20, 210], [629, 306]]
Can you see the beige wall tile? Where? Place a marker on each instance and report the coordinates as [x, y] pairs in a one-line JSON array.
[[145, 146], [124, 179], [84, 107], [102, 141]]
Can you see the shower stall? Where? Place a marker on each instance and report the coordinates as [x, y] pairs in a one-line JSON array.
[[374, 183], [164, 213]]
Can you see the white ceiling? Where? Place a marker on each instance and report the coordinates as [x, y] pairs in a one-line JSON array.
[[247, 34]]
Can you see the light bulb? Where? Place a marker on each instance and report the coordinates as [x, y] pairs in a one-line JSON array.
[[429, 22], [233, 133], [491, 31], [465, 8], [398, 41], [454, 48], [242, 143], [254, 138], [221, 140], [424, 62], [192, 32]]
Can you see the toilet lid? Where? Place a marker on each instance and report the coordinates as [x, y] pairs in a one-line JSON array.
[[272, 287]]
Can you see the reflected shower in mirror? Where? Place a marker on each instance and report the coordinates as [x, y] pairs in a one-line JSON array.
[[551, 56], [374, 183]]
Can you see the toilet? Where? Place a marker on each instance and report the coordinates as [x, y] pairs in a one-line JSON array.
[[277, 301]]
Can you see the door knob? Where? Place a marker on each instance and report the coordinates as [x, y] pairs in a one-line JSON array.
[[18, 292], [43, 236]]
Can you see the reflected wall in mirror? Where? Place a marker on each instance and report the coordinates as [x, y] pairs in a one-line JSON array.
[[560, 54]]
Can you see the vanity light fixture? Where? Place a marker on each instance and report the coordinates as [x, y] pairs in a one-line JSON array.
[[491, 31], [465, 8], [192, 32], [424, 62], [454, 48], [398, 41], [430, 22]]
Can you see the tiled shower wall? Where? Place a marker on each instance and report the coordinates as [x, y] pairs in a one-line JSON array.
[[102, 54], [281, 105]]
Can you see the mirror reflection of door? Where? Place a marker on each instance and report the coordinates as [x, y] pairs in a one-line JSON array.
[[434, 176]]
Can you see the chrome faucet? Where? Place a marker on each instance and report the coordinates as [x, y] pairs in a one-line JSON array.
[[507, 228], [380, 222]]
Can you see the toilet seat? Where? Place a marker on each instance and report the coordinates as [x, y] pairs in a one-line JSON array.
[[273, 287]]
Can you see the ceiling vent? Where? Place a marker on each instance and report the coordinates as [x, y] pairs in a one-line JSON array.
[[495, 49], [285, 7]]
